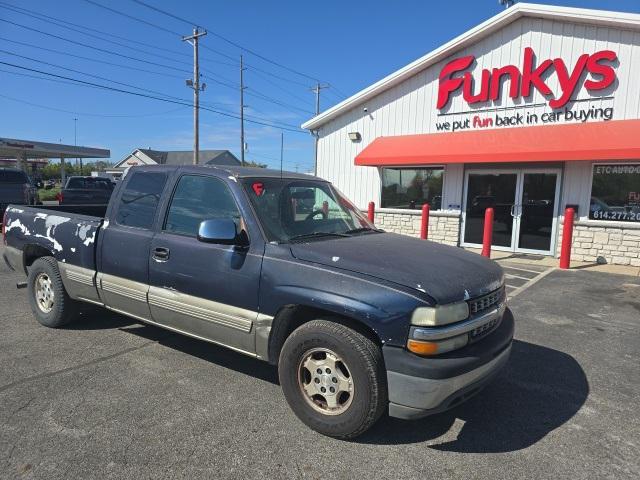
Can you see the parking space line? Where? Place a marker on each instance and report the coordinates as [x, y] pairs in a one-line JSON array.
[[522, 269], [510, 275], [531, 282]]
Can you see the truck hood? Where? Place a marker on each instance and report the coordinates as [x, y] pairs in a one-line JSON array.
[[447, 274]]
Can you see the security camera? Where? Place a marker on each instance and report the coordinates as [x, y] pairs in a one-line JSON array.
[[365, 109]]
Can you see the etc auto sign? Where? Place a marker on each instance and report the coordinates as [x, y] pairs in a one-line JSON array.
[[593, 72]]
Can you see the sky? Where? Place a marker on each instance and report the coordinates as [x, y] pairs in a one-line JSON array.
[[287, 47]]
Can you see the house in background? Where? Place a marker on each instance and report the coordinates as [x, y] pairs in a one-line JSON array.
[[146, 156]]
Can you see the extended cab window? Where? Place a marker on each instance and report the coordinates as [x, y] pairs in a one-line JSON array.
[[137, 207], [199, 198]]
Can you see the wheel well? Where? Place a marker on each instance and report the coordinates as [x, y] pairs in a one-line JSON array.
[[291, 317], [31, 253]]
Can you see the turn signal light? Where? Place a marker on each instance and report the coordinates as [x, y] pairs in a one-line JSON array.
[[422, 348]]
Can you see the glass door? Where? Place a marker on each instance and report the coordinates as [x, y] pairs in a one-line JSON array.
[[525, 206], [536, 213], [484, 189]]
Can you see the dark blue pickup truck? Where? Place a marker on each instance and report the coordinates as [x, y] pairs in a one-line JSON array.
[[284, 268]]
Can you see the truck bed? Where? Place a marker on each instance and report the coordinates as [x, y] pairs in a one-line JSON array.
[[68, 236]]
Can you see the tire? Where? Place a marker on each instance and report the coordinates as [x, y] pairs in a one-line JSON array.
[[358, 375], [48, 299]]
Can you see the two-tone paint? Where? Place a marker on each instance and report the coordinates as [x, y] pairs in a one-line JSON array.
[[243, 297]]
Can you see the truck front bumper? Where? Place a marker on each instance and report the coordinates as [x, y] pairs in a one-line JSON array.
[[420, 386]]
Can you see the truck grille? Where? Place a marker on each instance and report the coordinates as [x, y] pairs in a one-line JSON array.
[[480, 304]]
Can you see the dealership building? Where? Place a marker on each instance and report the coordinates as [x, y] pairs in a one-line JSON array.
[[533, 111]]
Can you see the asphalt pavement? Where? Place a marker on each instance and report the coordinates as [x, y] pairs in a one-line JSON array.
[[112, 398]]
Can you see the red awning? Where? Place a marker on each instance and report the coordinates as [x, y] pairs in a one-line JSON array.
[[612, 140]]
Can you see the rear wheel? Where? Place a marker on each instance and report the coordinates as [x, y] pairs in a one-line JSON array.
[[333, 378], [48, 299]]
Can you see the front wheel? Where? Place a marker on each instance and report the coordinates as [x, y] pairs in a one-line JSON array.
[[48, 299], [333, 378]]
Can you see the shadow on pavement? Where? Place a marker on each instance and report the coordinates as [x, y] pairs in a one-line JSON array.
[[539, 390], [209, 352]]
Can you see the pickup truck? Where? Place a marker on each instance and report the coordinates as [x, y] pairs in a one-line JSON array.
[[358, 321], [16, 187], [86, 191]]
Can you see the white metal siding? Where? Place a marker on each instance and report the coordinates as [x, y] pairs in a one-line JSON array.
[[410, 107]]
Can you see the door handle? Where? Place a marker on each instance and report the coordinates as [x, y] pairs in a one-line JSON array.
[[160, 254], [512, 210]]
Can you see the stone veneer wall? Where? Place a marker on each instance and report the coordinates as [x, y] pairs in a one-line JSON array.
[[444, 227], [618, 243]]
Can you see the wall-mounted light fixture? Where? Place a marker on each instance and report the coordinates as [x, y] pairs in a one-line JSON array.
[[355, 136]]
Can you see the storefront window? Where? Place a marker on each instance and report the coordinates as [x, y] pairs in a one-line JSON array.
[[615, 194], [412, 188]]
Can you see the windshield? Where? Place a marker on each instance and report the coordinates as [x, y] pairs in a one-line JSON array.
[[295, 210]]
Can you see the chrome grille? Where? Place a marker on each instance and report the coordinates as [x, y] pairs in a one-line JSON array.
[[480, 304]]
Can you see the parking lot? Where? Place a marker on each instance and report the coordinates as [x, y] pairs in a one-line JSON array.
[[112, 398]]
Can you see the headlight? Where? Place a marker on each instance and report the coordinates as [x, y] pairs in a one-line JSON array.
[[420, 347], [440, 315]]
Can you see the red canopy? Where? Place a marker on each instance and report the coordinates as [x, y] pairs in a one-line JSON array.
[[612, 140]]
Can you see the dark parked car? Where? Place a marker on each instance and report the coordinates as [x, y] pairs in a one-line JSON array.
[[357, 320], [16, 187], [86, 191]]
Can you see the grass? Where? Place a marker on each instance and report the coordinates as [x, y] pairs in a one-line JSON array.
[[48, 194]]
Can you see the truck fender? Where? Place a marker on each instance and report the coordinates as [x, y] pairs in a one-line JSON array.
[[311, 304]]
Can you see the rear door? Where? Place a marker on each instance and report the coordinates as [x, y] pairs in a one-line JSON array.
[[206, 290], [123, 249]]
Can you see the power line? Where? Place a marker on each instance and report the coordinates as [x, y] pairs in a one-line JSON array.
[[231, 42], [151, 24], [138, 94], [110, 52], [53, 21], [87, 74], [48, 17], [60, 52], [87, 114], [224, 82], [255, 117]]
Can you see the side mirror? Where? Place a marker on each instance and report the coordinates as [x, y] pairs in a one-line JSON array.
[[219, 230]]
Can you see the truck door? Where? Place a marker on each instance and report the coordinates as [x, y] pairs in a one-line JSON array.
[[123, 260], [206, 290]]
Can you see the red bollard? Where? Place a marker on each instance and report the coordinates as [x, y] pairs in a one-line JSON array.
[[424, 225], [371, 211], [567, 239], [487, 236]]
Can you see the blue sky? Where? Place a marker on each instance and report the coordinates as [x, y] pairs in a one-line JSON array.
[[346, 44]]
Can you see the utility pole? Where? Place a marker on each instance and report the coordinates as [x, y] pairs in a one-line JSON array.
[[195, 85], [242, 88], [319, 86], [281, 150], [75, 139]]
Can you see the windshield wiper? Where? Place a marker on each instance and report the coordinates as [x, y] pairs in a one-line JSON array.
[[316, 235], [362, 229]]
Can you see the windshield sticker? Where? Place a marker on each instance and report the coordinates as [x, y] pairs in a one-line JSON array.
[[258, 188]]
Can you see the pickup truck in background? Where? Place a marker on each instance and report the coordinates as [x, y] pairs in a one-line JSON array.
[[16, 187], [86, 191], [281, 267]]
